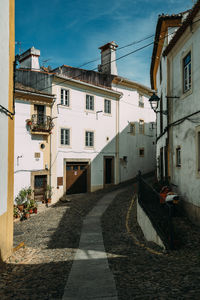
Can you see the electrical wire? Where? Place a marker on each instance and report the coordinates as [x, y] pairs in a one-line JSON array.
[[121, 57]]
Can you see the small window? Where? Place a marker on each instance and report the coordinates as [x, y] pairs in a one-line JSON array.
[[89, 102], [107, 106], [89, 139], [132, 128], [141, 152], [160, 71], [64, 97], [178, 156], [198, 151], [141, 101], [82, 168], [68, 168], [75, 168], [187, 73], [65, 136], [141, 126]]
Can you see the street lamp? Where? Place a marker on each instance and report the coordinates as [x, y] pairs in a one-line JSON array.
[[154, 99]]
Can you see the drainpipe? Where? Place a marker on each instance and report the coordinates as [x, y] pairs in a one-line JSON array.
[[50, 158]]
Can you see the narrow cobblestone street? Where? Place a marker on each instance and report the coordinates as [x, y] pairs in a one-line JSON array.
[[40, 270]]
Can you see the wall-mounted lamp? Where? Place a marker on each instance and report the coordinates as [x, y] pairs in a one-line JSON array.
[[154, 100]]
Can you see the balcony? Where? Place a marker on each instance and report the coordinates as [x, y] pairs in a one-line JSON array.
[[41, 124]]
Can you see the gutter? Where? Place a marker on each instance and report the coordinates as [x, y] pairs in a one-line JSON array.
[[89, 85], [34, 94]]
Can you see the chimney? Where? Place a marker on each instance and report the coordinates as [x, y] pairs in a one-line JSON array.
[[30, 59], [108, 59]]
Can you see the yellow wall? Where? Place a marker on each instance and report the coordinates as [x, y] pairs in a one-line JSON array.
[[6, 220]]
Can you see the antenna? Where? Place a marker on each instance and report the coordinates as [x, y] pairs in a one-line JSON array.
[[19, 44]]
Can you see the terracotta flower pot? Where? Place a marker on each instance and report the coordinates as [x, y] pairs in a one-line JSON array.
[[30, 210], [20, 207], [27, 215]]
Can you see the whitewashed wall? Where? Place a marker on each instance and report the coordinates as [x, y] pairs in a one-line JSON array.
[[25, 147], [129, 145], [77, 119], [4, 86], [184, 135]]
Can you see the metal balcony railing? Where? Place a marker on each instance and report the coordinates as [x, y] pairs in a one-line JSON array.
[[41, 123]]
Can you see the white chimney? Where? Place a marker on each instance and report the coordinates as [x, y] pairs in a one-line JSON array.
[[108, 59], [30, 59]]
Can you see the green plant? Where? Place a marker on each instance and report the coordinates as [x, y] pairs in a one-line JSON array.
[[29, 191], [23, 196], [32, 203], [48, 192], [15, 212]]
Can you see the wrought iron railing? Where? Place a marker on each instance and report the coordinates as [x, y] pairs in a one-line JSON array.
[[161, 215], [41, 123]]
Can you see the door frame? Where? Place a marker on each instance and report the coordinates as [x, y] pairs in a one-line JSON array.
[[38, 173], [77, 160], [112, 171]]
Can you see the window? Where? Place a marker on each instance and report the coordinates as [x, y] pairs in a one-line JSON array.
[[141, 126], [107, 106], [64, 97], [65, 136], [161, 114], [160, 71], [89, 139], [178, 156], [132, 128], [198, 151], [141, 101], [89, 102], [141, 152], [187, 72]]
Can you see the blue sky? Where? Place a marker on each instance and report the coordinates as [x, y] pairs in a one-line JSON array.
[[70, 32]]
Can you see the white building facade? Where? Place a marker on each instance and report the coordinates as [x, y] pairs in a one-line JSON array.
[[104, 128], [33, 125], [182, 133]]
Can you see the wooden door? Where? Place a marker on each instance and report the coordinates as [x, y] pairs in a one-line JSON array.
[[76, 178], [40, 183]]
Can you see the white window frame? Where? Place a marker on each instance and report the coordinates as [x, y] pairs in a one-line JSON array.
[[141, 126], [132, 129], [89, 143], [64, 97], [107, 106], [187, 73], [141, 101], [89, 102], [64, 136]]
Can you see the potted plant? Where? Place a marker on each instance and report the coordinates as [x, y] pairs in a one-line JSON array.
[[20, 200], [26, 214], [48, 193], [15, 212], [28, 122]]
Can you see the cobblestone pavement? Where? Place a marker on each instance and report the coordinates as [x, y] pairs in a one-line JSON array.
[[140, 274], [40, 269]]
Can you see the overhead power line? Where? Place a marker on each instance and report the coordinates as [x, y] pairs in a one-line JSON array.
[[123, 56]]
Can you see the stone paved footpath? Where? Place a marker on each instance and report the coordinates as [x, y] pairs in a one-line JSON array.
[[41, 269]]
